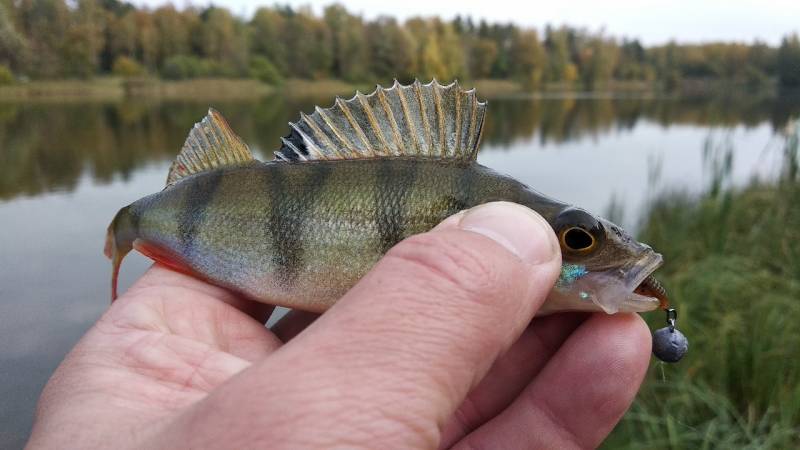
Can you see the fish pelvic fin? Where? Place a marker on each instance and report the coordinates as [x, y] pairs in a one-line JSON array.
[[211, 144], [416, 120], [119, 243]]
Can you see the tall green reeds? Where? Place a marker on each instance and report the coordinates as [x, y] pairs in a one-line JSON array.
[[733, 271]]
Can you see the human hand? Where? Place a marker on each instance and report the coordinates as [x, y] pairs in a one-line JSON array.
[[435, 347]]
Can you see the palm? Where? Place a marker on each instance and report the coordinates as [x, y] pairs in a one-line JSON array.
[[162, 347], [140, 375]]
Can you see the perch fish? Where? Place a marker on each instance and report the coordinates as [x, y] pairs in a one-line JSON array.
[[347, 184]]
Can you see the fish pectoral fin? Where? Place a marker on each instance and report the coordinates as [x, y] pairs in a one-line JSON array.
[[211, 144], [417, 120]]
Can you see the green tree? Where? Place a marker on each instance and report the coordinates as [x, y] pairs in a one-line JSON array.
[[427, 54], [391, 50], [673, 75], [147, 39], [223, 41], [268, 39], [81, 38], [632, 61], [85, 39], [438, 53], [597, 62], [482, 55], [788, 61], [309, 44], [122, 35], [528, 58], [44, 24], [348, 43], [556, 44], [452, 51], [6, 76], [13, 46], [180, 67], [503, 36], [127, 67], [173, 29], [263, 70], [763, 58]]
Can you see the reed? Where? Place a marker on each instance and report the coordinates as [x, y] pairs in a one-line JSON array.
[[734, 272]]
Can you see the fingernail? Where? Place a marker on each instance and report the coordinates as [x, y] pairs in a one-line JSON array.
[[515, 227]]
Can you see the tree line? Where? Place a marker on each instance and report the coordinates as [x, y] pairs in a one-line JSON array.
[[50, 39]]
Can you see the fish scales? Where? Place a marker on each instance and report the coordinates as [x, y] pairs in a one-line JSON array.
[[277, 230], [348, 183]]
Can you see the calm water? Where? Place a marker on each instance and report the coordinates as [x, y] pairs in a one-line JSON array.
[[65, 169]]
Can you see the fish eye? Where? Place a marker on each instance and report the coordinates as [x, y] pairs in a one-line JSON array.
[[579, 232], [577, 239]]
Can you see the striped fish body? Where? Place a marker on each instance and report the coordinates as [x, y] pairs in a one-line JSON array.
[[348, 183], [301, 234]]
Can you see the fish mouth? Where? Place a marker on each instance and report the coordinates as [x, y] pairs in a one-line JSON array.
[[628, 289], [646, 293]]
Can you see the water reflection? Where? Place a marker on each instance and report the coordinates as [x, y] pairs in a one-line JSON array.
[[46, 147], [66, 168]]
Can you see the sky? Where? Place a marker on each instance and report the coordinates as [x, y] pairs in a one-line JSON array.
[[653, 22]]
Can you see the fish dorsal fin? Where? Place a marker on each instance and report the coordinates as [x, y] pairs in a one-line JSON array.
[[211, 144], [418, 120]]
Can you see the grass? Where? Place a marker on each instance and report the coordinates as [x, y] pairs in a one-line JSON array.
[[200, 89], [58, 90], [733, 269], [204, 89], [114, 88], [316, 89], [494, 88]]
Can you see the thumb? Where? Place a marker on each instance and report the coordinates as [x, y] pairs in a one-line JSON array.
[[393, 359]]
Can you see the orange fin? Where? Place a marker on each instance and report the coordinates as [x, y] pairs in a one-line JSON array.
[[164, 257]]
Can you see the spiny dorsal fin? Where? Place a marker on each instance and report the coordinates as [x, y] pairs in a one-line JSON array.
[[422, 120], [211, 144]]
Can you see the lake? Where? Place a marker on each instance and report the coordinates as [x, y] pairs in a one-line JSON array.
[[66, 168]]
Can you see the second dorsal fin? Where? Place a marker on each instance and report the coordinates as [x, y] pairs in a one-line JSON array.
[[418, 120], [211, 144]]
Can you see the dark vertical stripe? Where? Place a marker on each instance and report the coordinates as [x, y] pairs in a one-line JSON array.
[[289, 211], [465, 188], [454, 191], [136, 219], [394, 181], [198, 198]]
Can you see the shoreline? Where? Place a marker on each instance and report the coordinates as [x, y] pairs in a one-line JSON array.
[[206, 89]]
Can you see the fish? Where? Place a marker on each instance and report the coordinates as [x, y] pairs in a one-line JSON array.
[[347, 184]]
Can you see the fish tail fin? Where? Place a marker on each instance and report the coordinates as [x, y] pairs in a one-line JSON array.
[[118, 244]]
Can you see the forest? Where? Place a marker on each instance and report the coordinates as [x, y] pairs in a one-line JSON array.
[[82, 39]]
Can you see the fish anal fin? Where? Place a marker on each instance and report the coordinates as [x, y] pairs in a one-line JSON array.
[[416, 120], [164, 257], [211, 144]]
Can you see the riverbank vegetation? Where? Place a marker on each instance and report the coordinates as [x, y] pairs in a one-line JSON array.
[[57, 39], [733, 269]]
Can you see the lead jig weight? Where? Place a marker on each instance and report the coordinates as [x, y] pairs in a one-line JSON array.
[[669, 344]]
